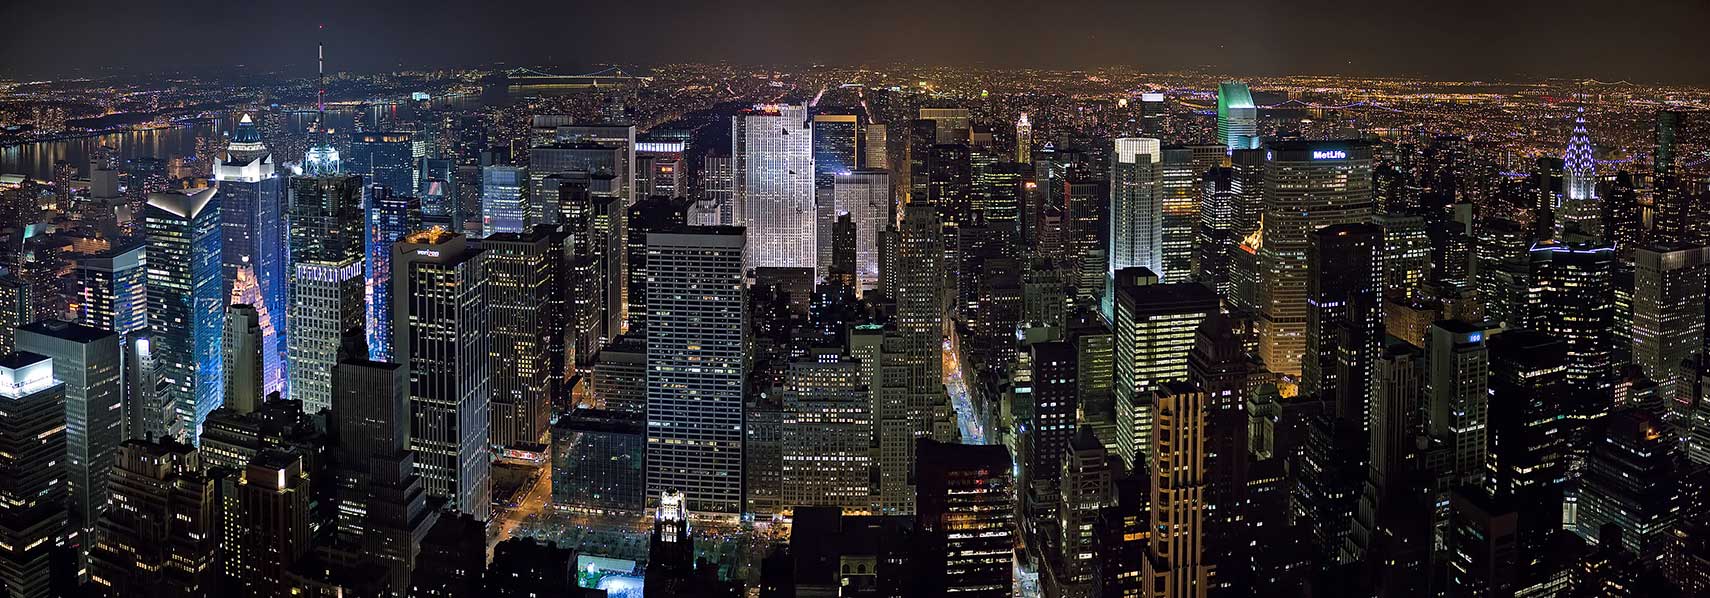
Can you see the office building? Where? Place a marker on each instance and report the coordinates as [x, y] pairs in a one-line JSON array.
[[1580, 210], [1084, 483], [326, 281], [835, 148], [597, 461], [1175, 566], [382, 501], [1237, 117], [1457, 383], [272, 508], [1309, 185], [772, 147], [1023, 139], [619, 381], [696, 332], [651, 215], [1344, 317], [965, 517], [383, 158], [112, 293], [826, 433], [1631, 480], [390, 216], [522, 280], [253, 200], [162, 536], [241, 351], [1668, 310], [865, 195], [186, 314], [1136, 207], [33, 518], [1572, 298], [440, 324], [1215, 236], [1154, 332], [86, 361], [504, 200], [1178, 195], [1055, 389]]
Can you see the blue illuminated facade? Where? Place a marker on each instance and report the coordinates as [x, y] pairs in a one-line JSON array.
[[389, 217], [186, 308], [252, 230], [382, 159]]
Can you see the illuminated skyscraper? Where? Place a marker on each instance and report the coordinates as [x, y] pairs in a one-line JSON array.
[[1309, 185], [826, 433], [1670, 199], [696, 330], [504, 200], [834, 153], [1215, 237], [1136, 205], [1632, 480], [112, 290], [327, 297], [253, 200], [1175, 566], [1668, 310], [390, 216], [865, 195], [1152, 112], [1572, 298], [522, 282], [1178, 198], [1237, 117], [1457, 382], [1023, 139], [86, 361], [440, 324], [186, 309], [1154, 330], [1579, 209], [774, 185], [32, 444]]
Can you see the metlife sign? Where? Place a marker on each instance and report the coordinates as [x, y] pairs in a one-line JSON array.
[[1329, 155]]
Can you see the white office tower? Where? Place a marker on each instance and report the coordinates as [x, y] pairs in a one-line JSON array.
[[772, 147], [696, 327], [865, 195], [1136, 210]]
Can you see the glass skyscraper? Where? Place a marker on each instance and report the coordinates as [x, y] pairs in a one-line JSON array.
[[384, 159], [186, 307], [252, 229], [1237, 117], [504, 206], [390, 216]]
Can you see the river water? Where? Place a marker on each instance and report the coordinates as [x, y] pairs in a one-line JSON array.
[[37, 159]]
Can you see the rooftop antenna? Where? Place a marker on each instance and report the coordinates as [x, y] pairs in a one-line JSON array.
[[321, 84]]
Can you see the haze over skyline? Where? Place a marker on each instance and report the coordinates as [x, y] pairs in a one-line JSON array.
[[1521, 40]]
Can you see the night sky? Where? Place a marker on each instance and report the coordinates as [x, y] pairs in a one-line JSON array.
[[1641, 40]]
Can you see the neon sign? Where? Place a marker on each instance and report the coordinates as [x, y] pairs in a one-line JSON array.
[[1329, 155]]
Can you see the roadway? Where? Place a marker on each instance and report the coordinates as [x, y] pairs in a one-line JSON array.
[[967, 419]]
